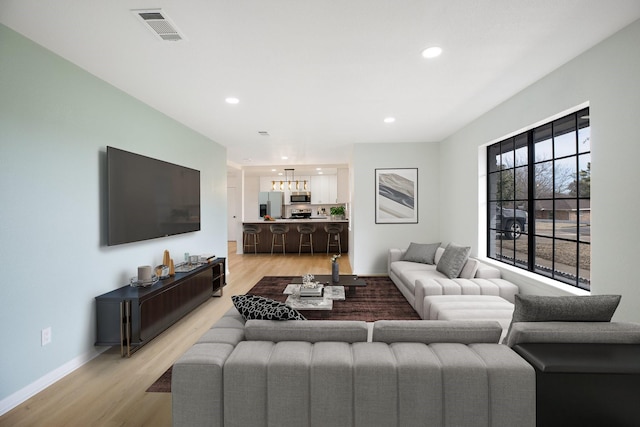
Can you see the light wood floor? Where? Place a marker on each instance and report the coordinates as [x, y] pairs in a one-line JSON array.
[[110, 390]]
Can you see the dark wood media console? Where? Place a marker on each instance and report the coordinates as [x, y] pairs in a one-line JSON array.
[[132, 316]]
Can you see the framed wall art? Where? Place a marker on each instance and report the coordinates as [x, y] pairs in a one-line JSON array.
[[397, 196]]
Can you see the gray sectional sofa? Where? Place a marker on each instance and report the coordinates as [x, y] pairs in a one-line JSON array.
[[327, 373], [416, 373]]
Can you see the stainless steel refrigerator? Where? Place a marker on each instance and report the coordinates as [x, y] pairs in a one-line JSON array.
[[271, 203]]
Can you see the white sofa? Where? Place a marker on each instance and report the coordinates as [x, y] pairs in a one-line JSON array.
[[418, 280]]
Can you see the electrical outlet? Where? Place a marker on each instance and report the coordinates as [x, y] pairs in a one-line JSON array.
[[46, 336]]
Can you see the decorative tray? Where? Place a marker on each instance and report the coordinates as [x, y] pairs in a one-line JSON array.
[[186, 267], [143, 283]]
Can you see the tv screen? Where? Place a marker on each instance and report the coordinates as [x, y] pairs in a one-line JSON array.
[[149, 198]]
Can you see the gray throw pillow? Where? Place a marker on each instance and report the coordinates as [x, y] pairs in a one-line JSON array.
[[421, 252], [452, 260], [536, 308]]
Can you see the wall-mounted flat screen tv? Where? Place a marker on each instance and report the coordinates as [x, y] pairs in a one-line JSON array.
[[149, 198]]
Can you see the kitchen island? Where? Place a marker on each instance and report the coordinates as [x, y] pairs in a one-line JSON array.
[[293, 237]]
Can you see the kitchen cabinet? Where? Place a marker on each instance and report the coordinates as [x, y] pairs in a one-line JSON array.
[[324, 189]]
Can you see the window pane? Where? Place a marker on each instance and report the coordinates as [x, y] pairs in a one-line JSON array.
[[584, 220], [542, 141], [507, 185], [493, 186], [544, 218], [494, 245], [522, 150], [493, 158], [565, 177], [564, 136], [521, 251], [507, 244], [584, 175], [504, 213], [544, 256], [565, 266], [566, 221], [507, 154], [494, 210], [584, 131], [522, 183], [507, 250], [544, 180], [584, 280]]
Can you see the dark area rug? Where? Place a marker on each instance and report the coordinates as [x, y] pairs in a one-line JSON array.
[[379, 300], [162, 384]]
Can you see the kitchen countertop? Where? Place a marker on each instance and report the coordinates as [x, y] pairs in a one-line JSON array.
[[314, 220]]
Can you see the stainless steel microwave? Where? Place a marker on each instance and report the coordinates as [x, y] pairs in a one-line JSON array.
[[302, 197]]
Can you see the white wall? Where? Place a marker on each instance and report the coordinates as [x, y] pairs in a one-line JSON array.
[[251, 193], [370, 241], [55, 123], [606, 76]]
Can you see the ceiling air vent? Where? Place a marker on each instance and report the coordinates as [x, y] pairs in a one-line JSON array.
[[159, 24]]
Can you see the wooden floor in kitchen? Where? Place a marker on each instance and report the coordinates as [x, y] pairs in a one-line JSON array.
[[111, 391]]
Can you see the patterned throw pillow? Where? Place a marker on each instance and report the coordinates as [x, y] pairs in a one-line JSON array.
[[257, 307]]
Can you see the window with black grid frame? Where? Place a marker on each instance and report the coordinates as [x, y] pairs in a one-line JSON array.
[[539, 200]]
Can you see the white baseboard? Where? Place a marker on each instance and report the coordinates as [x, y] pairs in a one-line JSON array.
[[40, 384]]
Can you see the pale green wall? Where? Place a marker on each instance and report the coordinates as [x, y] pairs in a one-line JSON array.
[[55, 123], [608, 77]]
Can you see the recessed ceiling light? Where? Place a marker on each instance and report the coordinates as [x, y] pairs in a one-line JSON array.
[[284, 158], [389, 119], [432, 52], [273, 170], [318, 169], [231, 100]]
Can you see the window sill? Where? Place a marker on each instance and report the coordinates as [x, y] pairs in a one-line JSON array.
[[534, 284]]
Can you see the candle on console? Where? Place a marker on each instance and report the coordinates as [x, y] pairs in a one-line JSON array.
[[144, 273]]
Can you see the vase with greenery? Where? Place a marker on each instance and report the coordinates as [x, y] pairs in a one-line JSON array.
[[337, 212]]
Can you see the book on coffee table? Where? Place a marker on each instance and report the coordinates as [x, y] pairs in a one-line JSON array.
[[309, 303], [314, 292], [330, 292]]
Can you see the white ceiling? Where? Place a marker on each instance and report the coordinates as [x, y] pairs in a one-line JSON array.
[[319, 76]]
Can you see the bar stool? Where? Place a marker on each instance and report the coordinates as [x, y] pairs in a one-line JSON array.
[[249, 230], [278, 229], [307, 229], [333, 229]]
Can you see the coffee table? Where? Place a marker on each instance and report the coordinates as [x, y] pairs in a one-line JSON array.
[[330, 294], [351, 282]]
